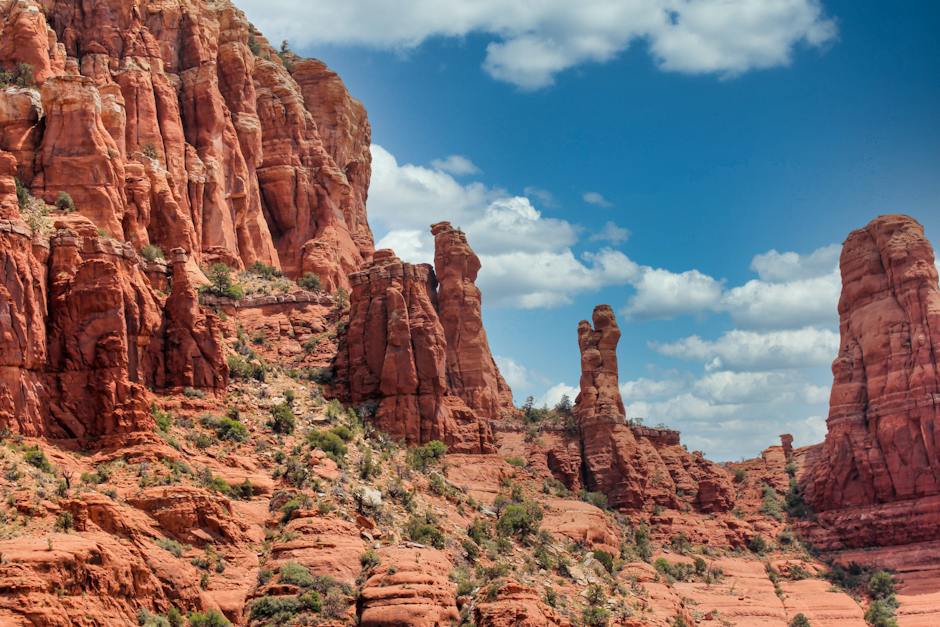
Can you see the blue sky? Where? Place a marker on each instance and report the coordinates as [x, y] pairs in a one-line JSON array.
[[695, 164]]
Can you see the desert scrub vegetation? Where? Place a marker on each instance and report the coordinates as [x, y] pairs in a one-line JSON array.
[[423, 457], [151, 252], [221, 283]]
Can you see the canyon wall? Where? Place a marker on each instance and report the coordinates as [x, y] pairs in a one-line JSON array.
[[416, 348], [167, 124], [176, 124], [880, 461]]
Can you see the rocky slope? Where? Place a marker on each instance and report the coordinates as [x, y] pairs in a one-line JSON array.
[[172, 457]]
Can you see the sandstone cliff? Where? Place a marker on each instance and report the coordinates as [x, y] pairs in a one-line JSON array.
[[417, 349], [880, 459], [176, 124]]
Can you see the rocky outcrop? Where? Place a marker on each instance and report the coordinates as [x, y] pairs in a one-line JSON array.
[[409, 587], [86, 335], [176, 124], [471, 369], [880, 456], [416, 348], [517, 605], [195, 355], [635, 467]]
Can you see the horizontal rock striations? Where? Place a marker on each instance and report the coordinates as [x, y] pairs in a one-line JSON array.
[[880, 457], [417, 349]]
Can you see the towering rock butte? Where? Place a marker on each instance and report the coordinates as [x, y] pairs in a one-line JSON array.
[[635, 467], [174, 123], [417, 348], [876, 478]]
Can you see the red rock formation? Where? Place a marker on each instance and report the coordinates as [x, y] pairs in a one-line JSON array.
[[471, 369], [193, 339], [517, 605], [881, 449], [395, 355], [635, 467], [166, 127], [409, 587]]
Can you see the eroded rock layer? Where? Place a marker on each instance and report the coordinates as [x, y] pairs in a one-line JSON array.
[[174, 123], [634, 466], [881, 456], [417, 348]]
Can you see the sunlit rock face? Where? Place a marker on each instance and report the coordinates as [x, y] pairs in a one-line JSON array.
[[882, 450]]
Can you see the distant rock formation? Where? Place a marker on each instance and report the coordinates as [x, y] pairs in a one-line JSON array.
[[417, 348], [635, 467], [881, 458]]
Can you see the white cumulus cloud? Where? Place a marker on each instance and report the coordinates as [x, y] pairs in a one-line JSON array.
[[596, 198], [531, 42], [611, 233], [458, 165], [752, 350]]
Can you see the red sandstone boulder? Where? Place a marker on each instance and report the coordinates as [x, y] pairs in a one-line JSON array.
[[409, 587], [517, 605]]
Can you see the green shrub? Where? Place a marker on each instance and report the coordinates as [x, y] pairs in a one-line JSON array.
[[220, 282], [757, 544], [800, 620], [174, 617], [597, 499], [310, 281], [328, 442], [21, 76], [423, 457], [369, 559], [880, 614], [64, 521], [424, 530], [228, 429], [519, 519], [35, 457], [254, 46], [163, 419], [241, 368], [282, 419], [22, 194], [605, 558], [881, 586], [795, 505], [263, 270], [770, 505], [739, 475], [295, 574], [171, 546], [64, 202], [151, 252], [212, 618], [518, 462]]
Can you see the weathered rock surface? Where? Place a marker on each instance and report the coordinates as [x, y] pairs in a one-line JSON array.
[[880, 460], [517, 605], [176, 124], [634, 466], [397, 353], [409, 587], [471, 369]]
